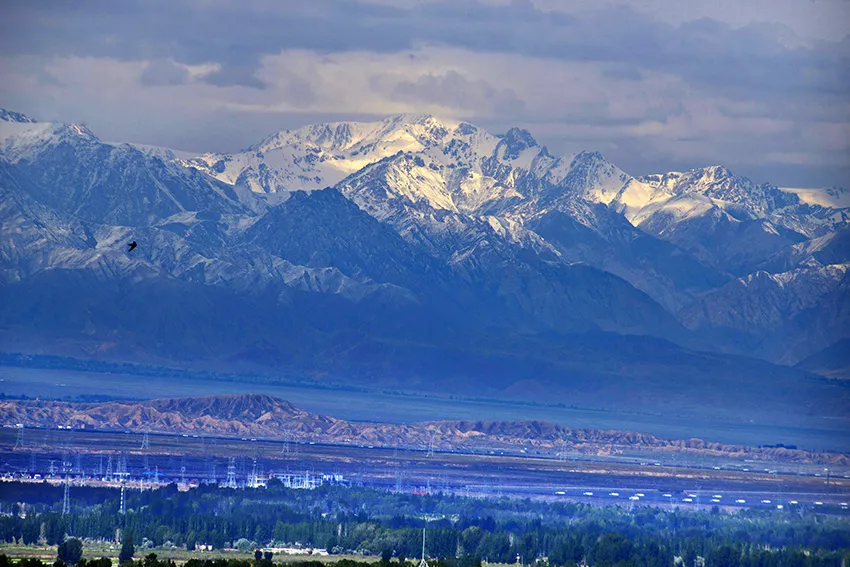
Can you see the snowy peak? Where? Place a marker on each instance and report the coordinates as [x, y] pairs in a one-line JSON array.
[[403, 132], [12, 116], [514, 142], [831, 197], [24, 140], [840, 195], [321, 155], [588, 176], [727, 220], [66, 167], [712, 181], [737, 193], [693, 193], [412, 160]]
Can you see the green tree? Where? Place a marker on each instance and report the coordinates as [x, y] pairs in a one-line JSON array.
[[723, 556], [70, 551], [54, 530], [127, 549]]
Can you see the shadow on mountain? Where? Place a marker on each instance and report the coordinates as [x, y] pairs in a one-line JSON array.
[[332, 341]]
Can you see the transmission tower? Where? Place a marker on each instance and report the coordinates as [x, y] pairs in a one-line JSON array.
[[231, 474], [109, 468], [252, 480], [123, 509], [432, 436], [19, 441], [562, 454], [284, 451], [66, 500], [398, 477], [146, 441]]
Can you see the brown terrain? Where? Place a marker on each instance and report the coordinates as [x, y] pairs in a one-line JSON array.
[[262, 416]]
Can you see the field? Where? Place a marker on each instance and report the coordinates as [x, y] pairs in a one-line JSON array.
[[95, 550], [88, 457]]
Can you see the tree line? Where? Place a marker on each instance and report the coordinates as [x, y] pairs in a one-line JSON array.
[[459, 531]]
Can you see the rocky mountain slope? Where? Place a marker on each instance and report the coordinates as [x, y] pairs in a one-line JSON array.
[[413, 252], [450, 186], [833, 361]]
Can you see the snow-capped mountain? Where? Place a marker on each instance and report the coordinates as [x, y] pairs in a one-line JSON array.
[[761, 302], [66, 167], [408, 235], [12, 116], [725, 220], [318, 156]]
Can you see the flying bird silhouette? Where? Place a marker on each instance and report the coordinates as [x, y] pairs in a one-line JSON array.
[[131, 245]]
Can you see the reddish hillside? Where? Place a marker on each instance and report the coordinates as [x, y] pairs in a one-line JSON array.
[[262, 416]]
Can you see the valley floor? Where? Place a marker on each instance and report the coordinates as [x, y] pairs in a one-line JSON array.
[[90, 458]]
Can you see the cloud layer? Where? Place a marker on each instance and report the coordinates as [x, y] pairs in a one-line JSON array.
[[763, 89]]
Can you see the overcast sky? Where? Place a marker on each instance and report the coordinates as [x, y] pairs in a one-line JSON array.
[[761, 86]]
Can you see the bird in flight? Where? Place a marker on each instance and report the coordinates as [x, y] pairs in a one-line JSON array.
[[131, 245]]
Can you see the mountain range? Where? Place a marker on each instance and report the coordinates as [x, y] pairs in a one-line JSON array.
[[426, 254], [265, 417]]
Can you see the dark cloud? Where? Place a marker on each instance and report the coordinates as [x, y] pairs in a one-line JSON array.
[[234, 75], [453, 90], [163, 72], [297, 90], [740, 62], [758, 72]]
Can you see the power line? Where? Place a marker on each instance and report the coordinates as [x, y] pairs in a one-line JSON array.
[[423, 562], [66, 500]]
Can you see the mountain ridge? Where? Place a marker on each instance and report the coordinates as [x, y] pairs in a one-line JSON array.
[[490, 242], [267, 417]]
